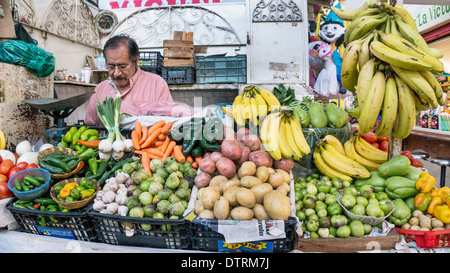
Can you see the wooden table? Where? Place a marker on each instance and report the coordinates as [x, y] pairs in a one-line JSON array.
[[435, 142]]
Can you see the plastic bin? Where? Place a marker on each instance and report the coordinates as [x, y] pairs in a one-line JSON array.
[[151, 61], [68, 225], [221, 69], [33, 194], [143, 232], [179, 75], [427, 239]]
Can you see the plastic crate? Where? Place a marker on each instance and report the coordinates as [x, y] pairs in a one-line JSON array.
[[151, 61], [221, 69], [427, 239], [162, 233], [69, 225], [179, 75]]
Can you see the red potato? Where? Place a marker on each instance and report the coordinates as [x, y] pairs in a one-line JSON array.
[[207, 165], [241, 133], [226, 167], [206, 155], [286, 164], [252, 141], [261, 158], [202, 180], [244, 156], [228, 133], [215, 156], [231, 149]]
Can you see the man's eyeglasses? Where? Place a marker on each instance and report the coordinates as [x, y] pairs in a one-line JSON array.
[[112, 67]]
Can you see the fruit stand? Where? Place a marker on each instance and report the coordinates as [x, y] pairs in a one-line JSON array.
[[269, 173]]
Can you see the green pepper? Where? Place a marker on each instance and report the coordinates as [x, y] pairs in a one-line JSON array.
[[73, 164], [210, 146], [101, 169], [88, 133], [58, 163], [87, 193], [52, 169], [87, 154], [75, 194], [93, 138], [69, 199], [87, 184], [103, 178], [93, 165], [79, 149], [69, 135], [63, 144], [77, 135]]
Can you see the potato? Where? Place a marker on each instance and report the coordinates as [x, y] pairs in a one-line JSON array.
[[202, 180], [231, 149], [252, 141], [242, 132], [221, 208], [247, 168], [262, 173], [417, 213], [207, 165], [207, 214], [260, 213], [271, 170], [226, 167], [425, 222], [276, 179], [424, 229], [435, 223], [230, 195], [250, 181], [260, 190], [241, 213], [228, 133], [261, 158], [415, 228], [245, 197], [406, 226], [230, 184], [215, 156], [286, 164], [198, 207], [277, 205], [199, 193], [209, 196], [286, 175], [218, 181], [244, 155], [414, 221], [283, 188]]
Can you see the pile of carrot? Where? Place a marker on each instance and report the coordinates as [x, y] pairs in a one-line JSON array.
[[153, 142]]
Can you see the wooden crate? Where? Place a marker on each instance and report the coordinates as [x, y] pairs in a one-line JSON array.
[[350, 244], [179, 52]]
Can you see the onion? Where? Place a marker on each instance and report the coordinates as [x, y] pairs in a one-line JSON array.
[[5, 154], [23, 147], [45, 146], [29, 157]]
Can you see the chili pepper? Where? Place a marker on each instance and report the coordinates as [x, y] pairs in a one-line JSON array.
[[52, 169], [73, 164], [25, 187], [207, 145], [63, 144], [36, 205], [87, 193], [69, 158], [119, 164], [435, 201], [103, 178], [69, 135], [80, 148], [90, 144], [17, 184], [87, 154], [20, 206], [93, 165], [77, 135], [64, 193], [213, 130], [442, 212], [425, 183], [58, 163], [87, 134], [421, 201], [31, 180], [81, 168], [45, 201]]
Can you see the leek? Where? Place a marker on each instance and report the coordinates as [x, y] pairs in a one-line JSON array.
[[109, 114]]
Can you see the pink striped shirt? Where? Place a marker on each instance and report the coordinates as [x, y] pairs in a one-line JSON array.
[[144, 87]]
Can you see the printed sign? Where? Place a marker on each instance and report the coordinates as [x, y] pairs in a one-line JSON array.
[[259, 247], [125, 4], [66, 234], [427, 16]]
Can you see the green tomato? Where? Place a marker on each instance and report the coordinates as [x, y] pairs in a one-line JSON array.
[[312, 225], [334, 209], [343, 231], [301, 215]]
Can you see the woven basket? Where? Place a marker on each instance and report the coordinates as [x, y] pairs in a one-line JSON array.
[[75, 204], [66, 151]]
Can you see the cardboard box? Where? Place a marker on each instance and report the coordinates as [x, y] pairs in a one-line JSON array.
[[6, 22]]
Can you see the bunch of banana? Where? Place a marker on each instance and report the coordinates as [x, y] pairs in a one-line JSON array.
[[2, 140], [331, 160], [252, 106], [390, 67], [282, 136], [365, 154]]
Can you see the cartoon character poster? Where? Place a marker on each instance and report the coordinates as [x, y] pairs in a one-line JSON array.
[[325, 51]]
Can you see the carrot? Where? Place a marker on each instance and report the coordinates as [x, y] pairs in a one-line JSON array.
[[145, 159], [162, 136], [135, 139], [189, 158], [155, 126], [165, 145], [166, 128], [144, 134], [169, 150], [138, 128], [89, 144], [154, 151], [198, 159], [159, 143], [151, 138], [179, 156], [195, 165]]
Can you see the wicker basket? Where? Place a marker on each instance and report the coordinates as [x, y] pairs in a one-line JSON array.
[[75, 204], [66, 151]]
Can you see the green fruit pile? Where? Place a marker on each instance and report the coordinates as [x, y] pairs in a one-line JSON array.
[[322, 216]]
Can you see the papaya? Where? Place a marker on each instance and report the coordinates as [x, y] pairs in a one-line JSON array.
[[337, 116], [317, 116], [396, 166], [303, 117], [413, 173], [375, 181]]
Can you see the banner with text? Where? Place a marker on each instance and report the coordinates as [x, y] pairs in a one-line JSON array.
[[125, 4], [427, 17]]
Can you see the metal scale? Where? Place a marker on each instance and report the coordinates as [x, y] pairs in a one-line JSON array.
[[59, 109]]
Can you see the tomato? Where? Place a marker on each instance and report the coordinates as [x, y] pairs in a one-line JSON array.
[[384, 146], [23, 165], [416, 163], [16, 156], [376, 145], [379, 140], [4, 191], [1, 159], [3, 178], [370, 137], [13, 171], [32, 165], [5, 166], [408, 154]]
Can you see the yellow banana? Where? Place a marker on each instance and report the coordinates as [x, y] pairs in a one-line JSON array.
[[357, 23], [394, 29], [389, 109], [366, 74], [270, 137], [2, 140], [420, 103], [395, 57], [431, 79], [436, 52], [332, 140], [290, 139], [364, 52], [372, 105], [247, 109], [272, 102], [400, 44], [368, 12], [348, 149], [325, 169], [349, 70], [286, 151], [238, 110], [254, 111], [417, 83], [366, 26], [349, 14], [262, 106], [403, 13], [368, 164], [406, 109], [227, 111], [364, 149], [299, 138], [342, 163]]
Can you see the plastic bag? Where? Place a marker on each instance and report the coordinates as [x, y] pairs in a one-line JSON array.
[[166, 108], [34, 58]]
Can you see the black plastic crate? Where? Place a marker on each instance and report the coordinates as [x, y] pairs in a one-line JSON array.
[[151, 61], [179, 75], [142, 232], [206, 239], [74, 224], [221, 69]]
